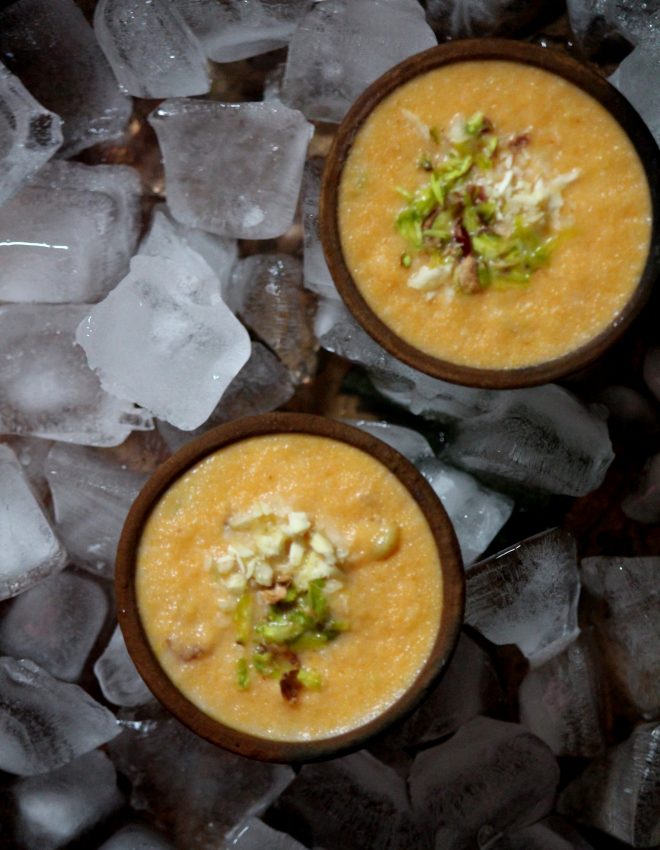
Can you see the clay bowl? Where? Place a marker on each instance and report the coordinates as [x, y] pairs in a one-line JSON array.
[[484, 49], [145, 659]]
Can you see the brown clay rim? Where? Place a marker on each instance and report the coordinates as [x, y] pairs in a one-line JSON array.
[[460, 51], [145, 660]]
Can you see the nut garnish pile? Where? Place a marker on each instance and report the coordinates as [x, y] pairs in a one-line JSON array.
[[282, 581], [486, 217]]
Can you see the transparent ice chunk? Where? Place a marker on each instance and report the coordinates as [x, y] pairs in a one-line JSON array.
[[91, 497], [29, 134], [317, 274], [118, 677], [643, 503], [489, 777], [476, 512], [561, 701], [152, 51], [238, 30], [69, 234], [45, 723], [632, 78], [409, 443], [341, 46], [137, 837], [619, 793], [157, 340], [625, 609], [363, 802], [268, 295], [46, 387], [55, 624], [85, 93], [199, 791], [56, 808], [30, 551], [232, 168], [527, 595], [255, 835], [263, 384], [540, 439]]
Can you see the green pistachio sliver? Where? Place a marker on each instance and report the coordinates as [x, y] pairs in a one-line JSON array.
[[316, 600], [242, 674], [406, 260], [475, 124], [243, 618], [310, 640], [310, 678]]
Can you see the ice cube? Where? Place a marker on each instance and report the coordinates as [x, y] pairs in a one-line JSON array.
[[55, 624], [561, 701], [268, 294], [263, 384], [652, 371], [91, 497], [30, 551], [198, 792], [55, 808], [619, 793], [45, 723], [625, 597], [238, 30], [232, 168], [599, 24], [643, 503], [341, 46], [136, 837], [31, 453], [469, 18], [155, 341], [151, 49], [527, 595], [47, 389], [541, 439], [468, 687], [476, 512], [29, 134], [630, 412], [489, 777], [550, 834], [69, 234], [117, 676], [352, 803], [255, 835], [317, 275], [51, 47], [632, 79], [409, 443]]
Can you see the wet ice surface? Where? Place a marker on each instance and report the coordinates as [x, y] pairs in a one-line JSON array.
[[376, 797], [46, 387], [470, 18], [238, 30], [317, 274], [619, 793], [255, 835], [55, 624], [341, 46], [86, 95], [91, 498], [409, 443], [55, 808], [490, 777], [161, 341], [262, 385], [267, 294], [596, 23], [69, 234], [476, 512], [31, 454], [561, 701], [30, 550], [45, 723], [625, 597], [137, 837], [540, 439], [29, 134], [118, 677], [198, 792], [255, 152], [643, 503], [527, 595], [152, 51], [632, 76]]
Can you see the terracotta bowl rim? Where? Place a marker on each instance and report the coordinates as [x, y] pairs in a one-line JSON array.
[[506, 50], [172, 698]]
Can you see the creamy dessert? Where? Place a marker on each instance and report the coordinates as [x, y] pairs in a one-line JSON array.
[[493, 214], [290, 586]]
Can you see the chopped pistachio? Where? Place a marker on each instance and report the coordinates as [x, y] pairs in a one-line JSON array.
[[243, 618], [310, 678], [242, 674], [406, 260]]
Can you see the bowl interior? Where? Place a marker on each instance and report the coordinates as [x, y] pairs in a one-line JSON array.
[[144, 657], [469, 50]]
